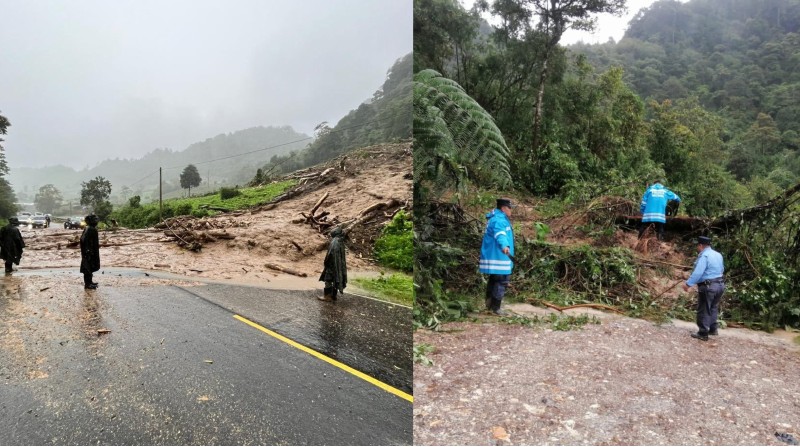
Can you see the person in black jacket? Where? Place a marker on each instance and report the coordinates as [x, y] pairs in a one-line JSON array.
[[335, 272], [90, 251], [11, 244]]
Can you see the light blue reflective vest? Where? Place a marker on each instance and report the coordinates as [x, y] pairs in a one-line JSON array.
[[654, 203], [497, 236]]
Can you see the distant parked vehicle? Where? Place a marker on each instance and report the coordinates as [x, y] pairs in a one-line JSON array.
[[38, 222], [25, 219], [74, 223]]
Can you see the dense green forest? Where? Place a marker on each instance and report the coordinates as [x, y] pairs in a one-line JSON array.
[[702, 94], [738, 59]]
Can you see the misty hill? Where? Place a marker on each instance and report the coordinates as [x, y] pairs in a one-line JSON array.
[[739, 58], [141, 175], [385, 117]]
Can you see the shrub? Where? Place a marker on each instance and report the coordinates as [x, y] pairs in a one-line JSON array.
[[183, 209], [395, 247], [228, 193]]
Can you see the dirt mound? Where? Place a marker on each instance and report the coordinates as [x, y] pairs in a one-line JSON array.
[[363, 190]]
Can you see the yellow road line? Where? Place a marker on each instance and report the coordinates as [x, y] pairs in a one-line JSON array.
[[325, 358]]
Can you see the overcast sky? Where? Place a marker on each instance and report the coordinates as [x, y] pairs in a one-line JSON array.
[[86, 80], [608, 26]]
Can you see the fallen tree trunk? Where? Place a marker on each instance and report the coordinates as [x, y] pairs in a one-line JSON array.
[[366, 214], [281, 268], [676, 224]]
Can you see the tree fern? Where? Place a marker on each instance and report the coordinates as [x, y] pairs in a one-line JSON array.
[[456, 140]]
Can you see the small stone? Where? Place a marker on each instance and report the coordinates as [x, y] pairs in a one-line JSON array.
[[500, 433]]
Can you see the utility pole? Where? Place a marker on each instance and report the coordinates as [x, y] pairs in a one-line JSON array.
[[160, 197]]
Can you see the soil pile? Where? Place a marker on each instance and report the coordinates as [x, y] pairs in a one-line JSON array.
[[363, 189]]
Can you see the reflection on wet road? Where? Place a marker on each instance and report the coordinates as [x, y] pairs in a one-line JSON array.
[[169, 368], [371, 336]]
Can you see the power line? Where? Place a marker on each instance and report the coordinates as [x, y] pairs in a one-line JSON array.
[[284, 144], [271, 147]]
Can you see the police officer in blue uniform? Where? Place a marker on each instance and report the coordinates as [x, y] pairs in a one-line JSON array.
[[707, 275], [496, 252]]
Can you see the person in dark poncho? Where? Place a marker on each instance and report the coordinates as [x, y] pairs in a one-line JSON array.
[[335, 272], [90, 251], [11, 244]]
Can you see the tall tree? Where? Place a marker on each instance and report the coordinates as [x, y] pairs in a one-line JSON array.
[[190, 177], [95, 194], [48, 198], [7, 198], [550, 19]]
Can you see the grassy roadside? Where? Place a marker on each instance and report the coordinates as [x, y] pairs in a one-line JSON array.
[[396, 288]]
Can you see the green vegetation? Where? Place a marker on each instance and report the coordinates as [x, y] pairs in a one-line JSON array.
[[95, 194], [135, 215], [226, 193], [421, 352], [698, 93], [386, 117], [395, 248], [7, 197], [396, 288]]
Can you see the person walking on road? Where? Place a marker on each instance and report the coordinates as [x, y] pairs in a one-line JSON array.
[[497, 250], [707, 275], [335, 272], [11, 244], [90, 251], [654, 207]]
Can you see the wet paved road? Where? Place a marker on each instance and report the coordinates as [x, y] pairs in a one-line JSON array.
[[180, 369]]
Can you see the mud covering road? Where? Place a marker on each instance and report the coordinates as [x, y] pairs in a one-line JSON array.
[[162, 361], [622, 382]]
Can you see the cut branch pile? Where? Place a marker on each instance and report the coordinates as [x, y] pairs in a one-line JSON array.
[[310, 181], [319, 221], [191, 233]]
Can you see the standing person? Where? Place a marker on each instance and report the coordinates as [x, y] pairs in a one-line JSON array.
[[707, 275], [496, 251], [11, 244], [90, 251], [654, 207], [335, 272]]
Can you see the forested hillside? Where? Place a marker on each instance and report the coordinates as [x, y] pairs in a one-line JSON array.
[[702, 95], [386, 117], [738, 58]]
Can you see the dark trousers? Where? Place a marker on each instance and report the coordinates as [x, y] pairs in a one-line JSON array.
[[708, 298], [9, 266], [496, 290], [659, 229], [87, 279]]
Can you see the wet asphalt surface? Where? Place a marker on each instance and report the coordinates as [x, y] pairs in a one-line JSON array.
[[177, 368]]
